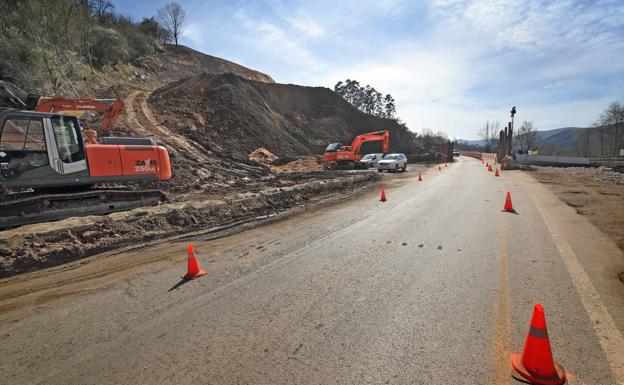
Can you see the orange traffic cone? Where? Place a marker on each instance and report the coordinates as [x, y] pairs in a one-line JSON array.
[[192, 266], [419, 177], [508, 206], [382, 198], [496, 173], [445, 164], [487, 164], [439, 168], [481, 161], [535, 364], [490, 168]]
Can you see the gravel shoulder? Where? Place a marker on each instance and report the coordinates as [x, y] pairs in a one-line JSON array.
[[596, 193]]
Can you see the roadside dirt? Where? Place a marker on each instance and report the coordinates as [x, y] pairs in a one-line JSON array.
[[597, 193], [37, 246]]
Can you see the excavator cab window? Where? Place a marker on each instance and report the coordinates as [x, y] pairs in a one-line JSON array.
[[333, 147], [22, 145], [68, 138]]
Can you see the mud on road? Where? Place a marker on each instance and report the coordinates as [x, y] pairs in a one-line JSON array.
[[42, 245]]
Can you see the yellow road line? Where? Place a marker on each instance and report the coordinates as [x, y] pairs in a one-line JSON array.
[[499, 348]]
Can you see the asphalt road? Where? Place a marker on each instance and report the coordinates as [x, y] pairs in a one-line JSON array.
[[435, 286]]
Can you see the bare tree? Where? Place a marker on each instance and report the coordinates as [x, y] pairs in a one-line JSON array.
[[526, 136], [612, 121], [488, 132], [171, 16]]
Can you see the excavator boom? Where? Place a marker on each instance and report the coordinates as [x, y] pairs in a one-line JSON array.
[[111, 108]]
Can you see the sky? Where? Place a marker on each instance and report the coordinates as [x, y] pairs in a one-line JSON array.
[[451, 65]]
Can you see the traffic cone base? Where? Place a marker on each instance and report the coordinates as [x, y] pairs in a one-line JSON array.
[[192, 266], [196, 275], [519, 372], [382, 198]]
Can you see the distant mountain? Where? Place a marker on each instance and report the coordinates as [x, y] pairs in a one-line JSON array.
[[560, 139]]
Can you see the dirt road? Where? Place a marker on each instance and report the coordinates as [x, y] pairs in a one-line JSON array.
[[435, 286]]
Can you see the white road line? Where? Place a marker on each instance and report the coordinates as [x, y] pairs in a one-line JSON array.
[[609, 335]]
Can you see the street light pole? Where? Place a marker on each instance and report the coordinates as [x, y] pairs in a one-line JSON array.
[[513, 113]]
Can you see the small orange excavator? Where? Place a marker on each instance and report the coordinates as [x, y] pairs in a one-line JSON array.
[[46, 150], [337, 156]]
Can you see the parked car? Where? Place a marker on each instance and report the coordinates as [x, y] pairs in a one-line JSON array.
[[371, 160], [392, 162]]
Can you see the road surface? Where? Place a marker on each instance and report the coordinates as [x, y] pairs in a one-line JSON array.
[[435, 286]]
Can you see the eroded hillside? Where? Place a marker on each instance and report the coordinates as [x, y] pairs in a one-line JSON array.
[[229, 114]]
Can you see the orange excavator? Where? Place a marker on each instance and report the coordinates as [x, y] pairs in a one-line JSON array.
[[45, 149], [337, 156]]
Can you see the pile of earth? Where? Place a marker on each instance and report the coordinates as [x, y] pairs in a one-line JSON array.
[[262, 155], [228, 114], [287, 164]]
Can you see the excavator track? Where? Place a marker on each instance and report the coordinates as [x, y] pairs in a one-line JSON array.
[[27, 208]]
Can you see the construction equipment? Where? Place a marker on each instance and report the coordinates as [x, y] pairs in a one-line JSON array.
[[47, 151], [337, 156], [14, 97], [110, 108]]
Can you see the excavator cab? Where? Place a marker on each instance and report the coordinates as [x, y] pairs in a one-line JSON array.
[[24, 151], [42, 150]]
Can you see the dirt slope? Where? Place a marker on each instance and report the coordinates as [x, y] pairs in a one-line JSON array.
[[229, 114], [174, 62]]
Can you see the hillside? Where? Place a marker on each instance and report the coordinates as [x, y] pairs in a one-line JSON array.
[[233, 115]]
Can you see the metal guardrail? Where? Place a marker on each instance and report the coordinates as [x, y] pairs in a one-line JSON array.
[[571, 160], [568, 160]]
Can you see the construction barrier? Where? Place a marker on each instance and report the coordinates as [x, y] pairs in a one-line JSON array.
[[489, 156], [471, 154], [480, 155]]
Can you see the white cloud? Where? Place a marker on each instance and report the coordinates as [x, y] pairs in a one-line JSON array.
[[195, 33], [307, 26], [274, 40], [554, 85]]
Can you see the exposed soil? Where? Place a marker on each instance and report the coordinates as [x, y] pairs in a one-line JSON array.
[[597, 193], [228, 114]]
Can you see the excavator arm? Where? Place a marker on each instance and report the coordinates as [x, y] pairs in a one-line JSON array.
[[379, 136], [111, 108]]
